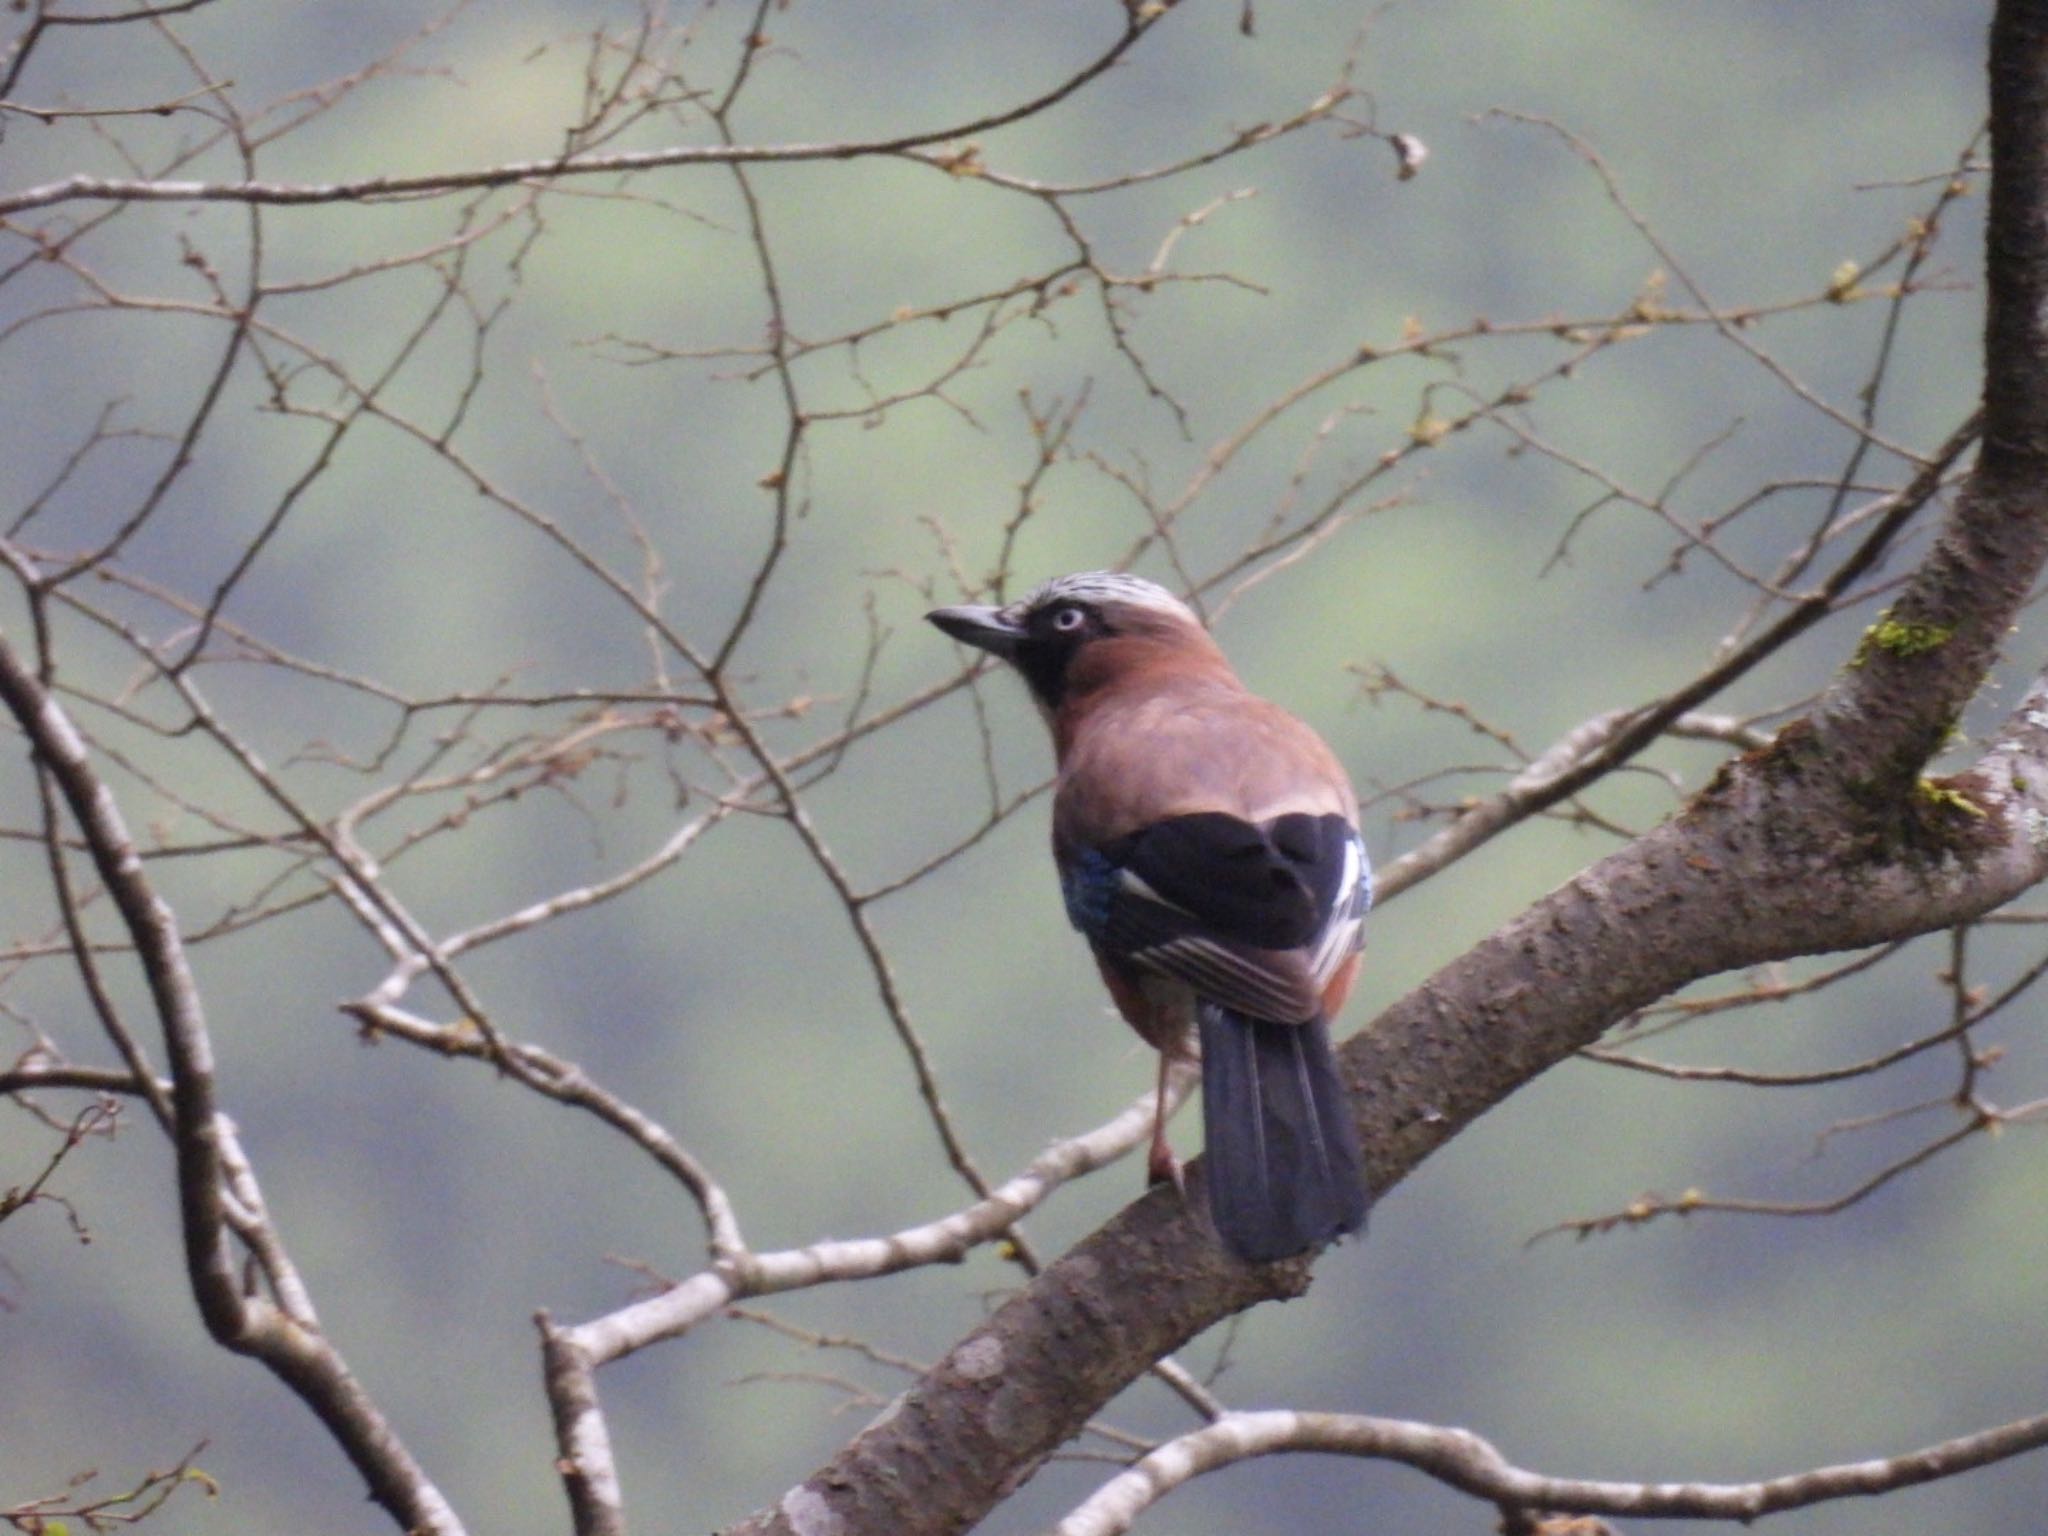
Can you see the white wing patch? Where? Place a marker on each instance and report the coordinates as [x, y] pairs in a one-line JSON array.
[[1135, 883], [1343, 934]]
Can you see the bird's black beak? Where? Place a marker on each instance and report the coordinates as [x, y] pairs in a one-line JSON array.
[[987, 629]]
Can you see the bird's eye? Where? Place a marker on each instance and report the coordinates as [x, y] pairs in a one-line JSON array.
[[1067, 620]]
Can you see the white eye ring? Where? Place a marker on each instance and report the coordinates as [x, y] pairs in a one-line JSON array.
[[1069, 619]]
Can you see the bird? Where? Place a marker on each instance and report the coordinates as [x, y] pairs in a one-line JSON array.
[[1208, 849]]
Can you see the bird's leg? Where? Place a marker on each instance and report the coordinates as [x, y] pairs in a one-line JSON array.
[[1161, 1166]]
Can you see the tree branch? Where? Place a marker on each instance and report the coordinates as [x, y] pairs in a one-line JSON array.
[[209, 1167], [1464, 1461], [563, 167]]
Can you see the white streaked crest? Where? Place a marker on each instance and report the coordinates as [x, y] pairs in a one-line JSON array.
[[1103, 587]]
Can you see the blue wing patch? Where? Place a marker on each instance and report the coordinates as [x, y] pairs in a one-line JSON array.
[[1088, 884]]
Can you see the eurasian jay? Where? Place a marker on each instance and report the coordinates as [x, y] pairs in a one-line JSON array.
[[1207, 844]]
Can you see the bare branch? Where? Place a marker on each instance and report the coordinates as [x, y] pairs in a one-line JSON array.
[[300, 1357], [558, 168], [1464, 1461]]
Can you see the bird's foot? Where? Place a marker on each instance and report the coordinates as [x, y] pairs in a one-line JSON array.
[[1162, 1167]]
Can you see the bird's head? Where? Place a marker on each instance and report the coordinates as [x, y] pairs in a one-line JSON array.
[[1053, 632]]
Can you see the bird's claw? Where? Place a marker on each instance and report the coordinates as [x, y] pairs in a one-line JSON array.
[[1162, 1167]]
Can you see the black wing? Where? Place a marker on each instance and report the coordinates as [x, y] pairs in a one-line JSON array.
[[1255, 917]]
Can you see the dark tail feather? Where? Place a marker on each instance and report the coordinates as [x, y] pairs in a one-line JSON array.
[[1282, 1161]]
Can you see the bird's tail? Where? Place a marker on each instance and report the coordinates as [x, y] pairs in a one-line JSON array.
[[1283, 1167]]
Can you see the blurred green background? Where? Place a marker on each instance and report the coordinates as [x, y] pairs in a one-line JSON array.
[[434, 1208]]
